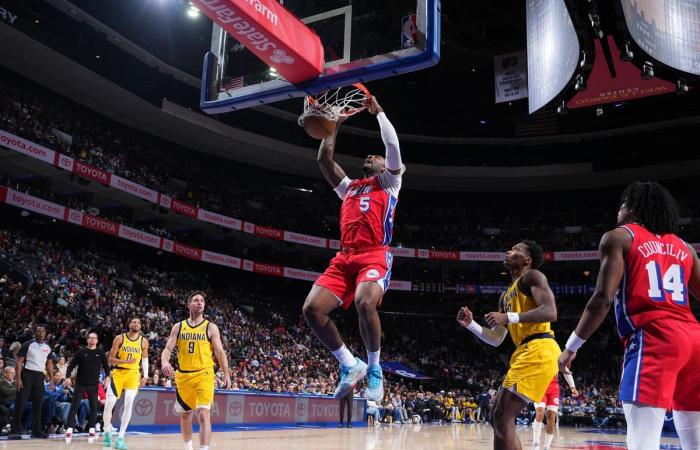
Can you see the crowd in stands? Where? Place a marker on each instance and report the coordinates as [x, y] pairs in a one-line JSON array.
[[424, 220], [74, 290]]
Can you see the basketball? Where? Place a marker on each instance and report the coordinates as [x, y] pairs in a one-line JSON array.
[[319, 127]]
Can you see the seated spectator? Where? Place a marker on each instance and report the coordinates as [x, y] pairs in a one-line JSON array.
[[8, 392]]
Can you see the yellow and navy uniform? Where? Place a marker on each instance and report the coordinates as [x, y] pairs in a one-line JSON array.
[[126, 375], [534, 362], [194, 379]]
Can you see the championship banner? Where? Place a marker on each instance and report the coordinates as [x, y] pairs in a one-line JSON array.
[[511, 76], [275, 35], [399, 369]]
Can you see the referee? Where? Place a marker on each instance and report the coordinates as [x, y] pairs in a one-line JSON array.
[[32, 360], [89, 361]]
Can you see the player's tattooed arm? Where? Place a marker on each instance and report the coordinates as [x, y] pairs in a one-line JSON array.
[[612, 266]]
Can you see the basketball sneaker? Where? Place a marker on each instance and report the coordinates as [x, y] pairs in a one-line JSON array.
[[69, 432], [121, 445], [375, 383], [108, 439], [91, 432], [349, 377]]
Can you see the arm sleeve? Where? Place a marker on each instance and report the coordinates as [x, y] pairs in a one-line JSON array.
[[492, 336], [342, 187], [144, 367], [391, 143]]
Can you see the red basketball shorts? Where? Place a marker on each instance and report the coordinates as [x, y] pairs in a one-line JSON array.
[[350, 268], [661, 367], [551, 396]]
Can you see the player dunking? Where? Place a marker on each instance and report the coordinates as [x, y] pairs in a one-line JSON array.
[[361, 270], [651, 270], [526, 309], [128, 350], [197, 340]]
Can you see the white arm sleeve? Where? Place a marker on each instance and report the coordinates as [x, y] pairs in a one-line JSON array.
[[391, 143], [342, 187], [492, 336], [144, 367]]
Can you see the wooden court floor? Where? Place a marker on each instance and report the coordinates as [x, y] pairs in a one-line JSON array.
[[385, 437]]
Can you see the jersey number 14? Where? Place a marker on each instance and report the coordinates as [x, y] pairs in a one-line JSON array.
[[671, 282]]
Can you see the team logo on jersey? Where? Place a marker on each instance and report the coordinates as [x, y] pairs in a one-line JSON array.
[[372, 274]]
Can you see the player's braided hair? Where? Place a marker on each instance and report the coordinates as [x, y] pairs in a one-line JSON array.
[[652, 206], [536, 253]]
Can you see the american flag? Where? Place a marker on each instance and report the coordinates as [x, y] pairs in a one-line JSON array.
[[231, 84]]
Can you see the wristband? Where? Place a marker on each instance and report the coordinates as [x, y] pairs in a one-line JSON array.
[[474, 327], [513, 317], [574, 342]]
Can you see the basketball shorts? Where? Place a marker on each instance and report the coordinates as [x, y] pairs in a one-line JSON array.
[[661, 366], [348, 269], [194, 389], [124, 379], [532, 367], [551, 397]]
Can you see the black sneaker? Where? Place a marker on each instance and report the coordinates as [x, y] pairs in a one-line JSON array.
[[40, 435], [14, 437], [349, 426]]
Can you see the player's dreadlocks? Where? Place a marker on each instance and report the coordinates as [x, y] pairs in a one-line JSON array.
[[652, 206]]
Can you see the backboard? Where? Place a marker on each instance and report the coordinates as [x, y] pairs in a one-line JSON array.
[[363, 40]]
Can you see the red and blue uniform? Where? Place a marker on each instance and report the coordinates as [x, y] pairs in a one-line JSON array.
[[366, 228], [661, 366], [551, 396]]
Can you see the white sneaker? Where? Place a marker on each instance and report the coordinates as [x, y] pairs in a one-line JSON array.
[[69, 432], [98, 428], [92, 432]]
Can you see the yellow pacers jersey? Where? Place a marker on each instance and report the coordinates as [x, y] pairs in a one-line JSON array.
[[194, 350], [516, 301], [130, 351]]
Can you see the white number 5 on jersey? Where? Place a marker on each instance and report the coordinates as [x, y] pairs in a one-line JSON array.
[[364, 204]]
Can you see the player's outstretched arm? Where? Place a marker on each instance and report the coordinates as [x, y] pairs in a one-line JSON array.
[[612, 267], [144, 361], [215, 338], [165, 366], [694, 281], [331, 170], [392, 156], [492, 336]]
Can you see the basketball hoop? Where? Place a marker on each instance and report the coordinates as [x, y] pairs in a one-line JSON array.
[[336, 103]]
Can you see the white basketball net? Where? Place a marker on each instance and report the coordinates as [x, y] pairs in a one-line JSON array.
[[336, 103]]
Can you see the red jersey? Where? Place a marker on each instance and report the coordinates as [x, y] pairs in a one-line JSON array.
[[655, 282], [367, 212]]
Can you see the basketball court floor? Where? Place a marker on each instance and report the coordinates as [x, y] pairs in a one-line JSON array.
[[408, 437]]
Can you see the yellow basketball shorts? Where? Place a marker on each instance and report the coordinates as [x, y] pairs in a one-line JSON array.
[[194, 389], [124, 379], [532, 367]]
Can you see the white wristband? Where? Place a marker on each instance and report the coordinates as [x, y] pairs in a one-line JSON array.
[[513, 317], [474, 327], [574, 342]]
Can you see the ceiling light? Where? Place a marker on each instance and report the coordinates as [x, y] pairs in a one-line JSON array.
[[192, 12]]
